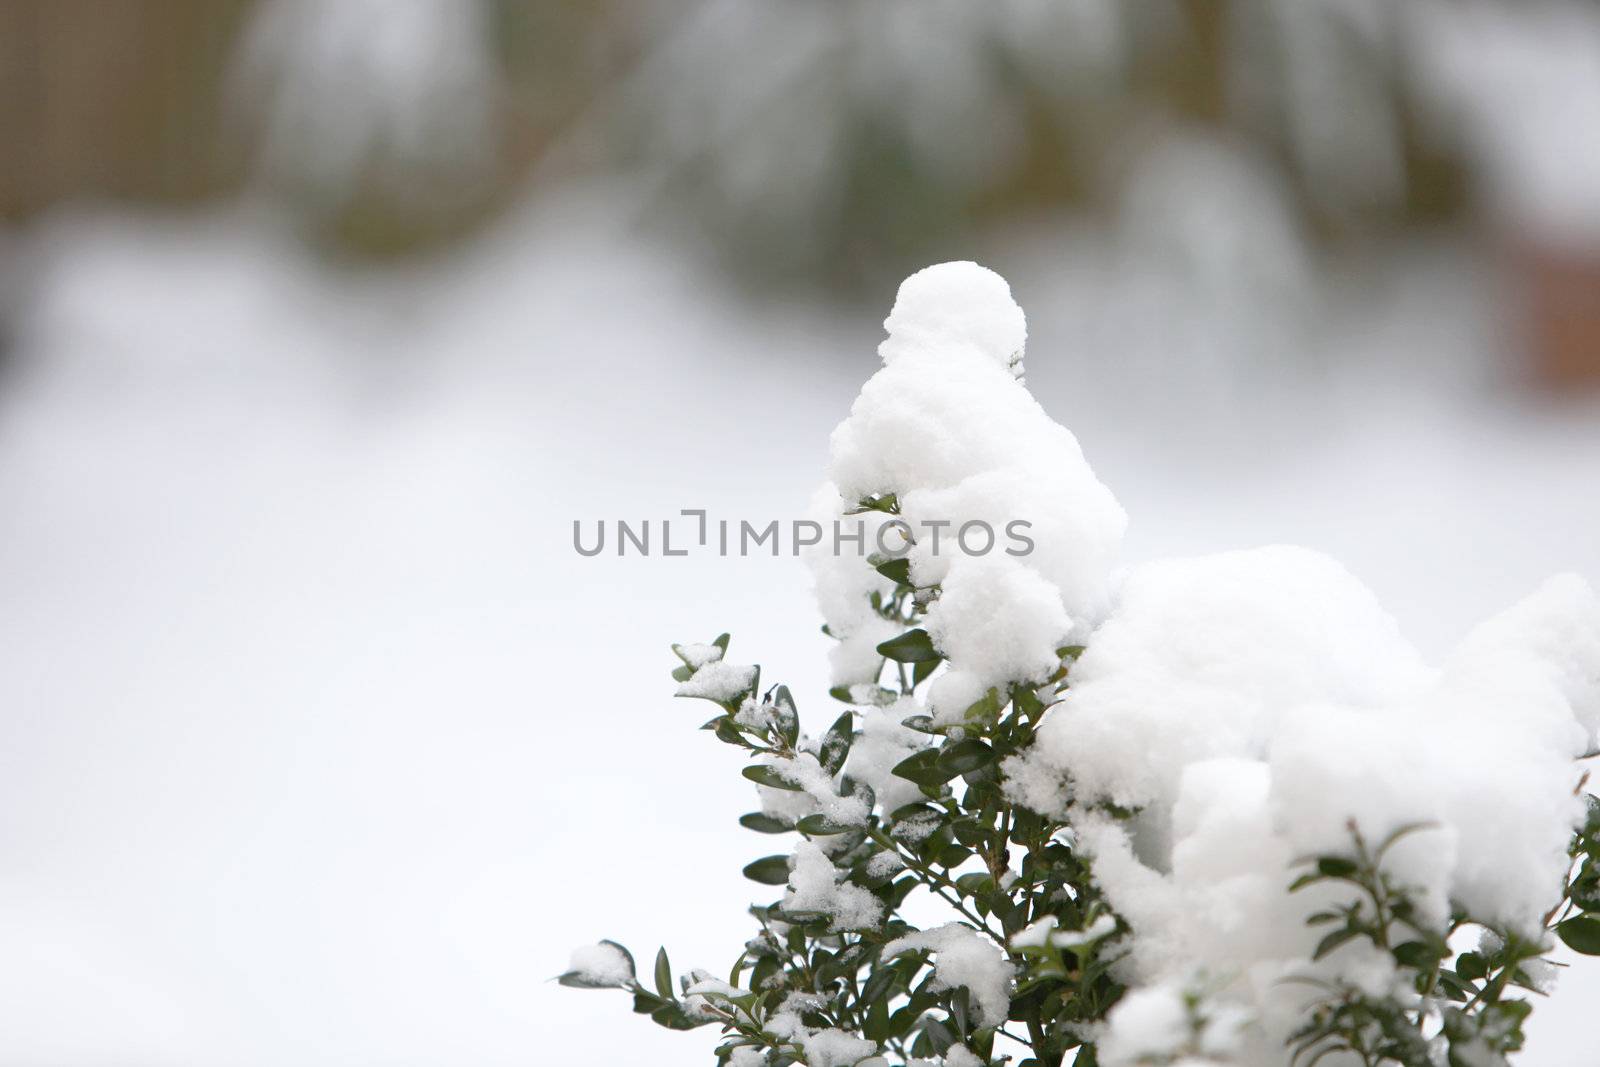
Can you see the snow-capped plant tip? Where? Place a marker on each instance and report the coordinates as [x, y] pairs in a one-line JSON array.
[[1200, 812]]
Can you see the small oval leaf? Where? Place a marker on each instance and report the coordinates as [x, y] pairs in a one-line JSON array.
[[768, 870], [1581, 933], [965, 756], [913, 646], [762, 823], [767, 775]]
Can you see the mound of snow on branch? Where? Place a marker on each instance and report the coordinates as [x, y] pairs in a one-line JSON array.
[[1248, 706], [948, 427]]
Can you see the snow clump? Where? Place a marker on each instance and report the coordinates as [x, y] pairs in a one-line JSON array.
[[817, 886], [948, 428], [601, 964], [1237, 712], [963, 958]]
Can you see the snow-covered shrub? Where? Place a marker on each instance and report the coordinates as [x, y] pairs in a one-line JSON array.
[[1201, 812]]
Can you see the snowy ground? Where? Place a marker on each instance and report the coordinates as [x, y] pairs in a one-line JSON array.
[[320, 743]]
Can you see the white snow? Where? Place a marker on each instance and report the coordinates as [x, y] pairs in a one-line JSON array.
[[1035, 935], [601, 964], [1043, 932], [1102, 928], [998, 622], [915, 828], [697, 655], [1146, 1024], [815, 885], [881, 743], [818, 792], [836, 1048], [962, 957], [718, 680], [961, 1056], [855, 659], [884, 864], [705, 995], [827, 1047], [1202, 655], [947, 426], [956, 303], [1249, 705], [1171, 1024]]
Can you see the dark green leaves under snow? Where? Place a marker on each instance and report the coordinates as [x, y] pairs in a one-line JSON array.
[[1470, 999], [996, 866], [1001, 868]]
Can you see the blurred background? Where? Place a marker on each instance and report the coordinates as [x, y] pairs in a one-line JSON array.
[[322, 320]]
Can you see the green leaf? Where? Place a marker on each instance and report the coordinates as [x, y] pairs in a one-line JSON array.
[[663, 974], [876, 1026], [921, 768], [836, 743], [938, 1033], [1336, 867], [913, 646], [886, 503], [646, 1003], [727, 731], [762, 823], [896, 570], [787, 716], [965, 756], [985, 708], [764, 969], [1453, 986], [961, 1011], [1402, 832], [1472, 966], [878, 984], [768, 870], [577, 980], [1304, 880], [1333, 941], [819, 825], [1415, 954], [853, 787], [768, 775], [1585, 888], [923, 670], [673, 1017], [913, 810], [1581, 933], [1026, 700], [923, 724]]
